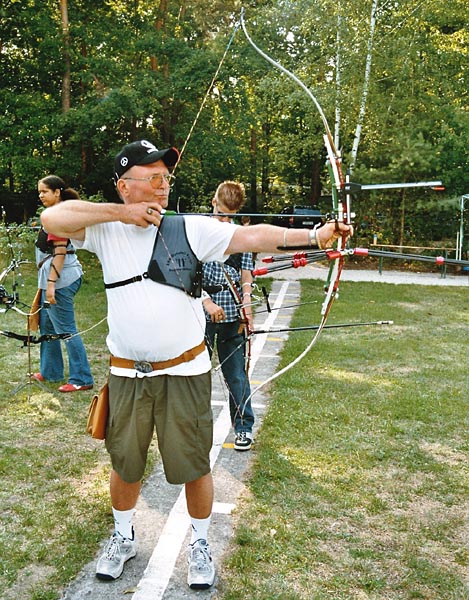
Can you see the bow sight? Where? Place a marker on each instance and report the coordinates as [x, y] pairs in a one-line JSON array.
[[7, 299]]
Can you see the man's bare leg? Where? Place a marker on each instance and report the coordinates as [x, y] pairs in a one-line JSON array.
[[124, 495], [199, 497]]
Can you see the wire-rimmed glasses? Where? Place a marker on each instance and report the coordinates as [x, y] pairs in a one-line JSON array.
[[156, 180]]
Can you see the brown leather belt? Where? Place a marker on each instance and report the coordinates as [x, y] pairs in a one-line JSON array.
[[147, 367]]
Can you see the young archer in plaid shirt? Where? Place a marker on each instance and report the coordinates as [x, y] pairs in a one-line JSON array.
[[224, 326]]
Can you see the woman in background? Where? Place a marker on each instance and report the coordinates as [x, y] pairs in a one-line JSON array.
[[59, 277]]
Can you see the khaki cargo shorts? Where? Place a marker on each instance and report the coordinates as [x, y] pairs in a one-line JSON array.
[[178, 407]]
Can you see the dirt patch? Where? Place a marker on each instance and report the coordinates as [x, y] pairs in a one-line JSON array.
[[28, 579]]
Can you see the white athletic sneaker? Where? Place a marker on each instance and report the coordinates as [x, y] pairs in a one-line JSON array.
[[243, 441], [116, 553], [201, 573]]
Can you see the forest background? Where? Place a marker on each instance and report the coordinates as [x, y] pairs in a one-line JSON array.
[[81, 78]]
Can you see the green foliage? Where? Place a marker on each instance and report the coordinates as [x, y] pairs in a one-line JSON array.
[[17, 242], [145, 73]]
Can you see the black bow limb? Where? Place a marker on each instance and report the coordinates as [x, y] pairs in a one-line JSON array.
[[33, 339]]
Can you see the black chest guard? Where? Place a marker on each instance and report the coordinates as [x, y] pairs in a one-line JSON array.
[[173, 262], [42, 243], [234, 260]]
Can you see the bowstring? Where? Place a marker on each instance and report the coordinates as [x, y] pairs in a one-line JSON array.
[[209, 89], [186, 141]]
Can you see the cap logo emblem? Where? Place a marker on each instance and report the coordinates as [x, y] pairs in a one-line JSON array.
[[150, 147], [124, 161]]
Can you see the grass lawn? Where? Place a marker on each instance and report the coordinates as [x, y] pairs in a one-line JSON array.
[[359, 487], [360, 483]]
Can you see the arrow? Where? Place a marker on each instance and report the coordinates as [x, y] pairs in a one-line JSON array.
[[314, 327]]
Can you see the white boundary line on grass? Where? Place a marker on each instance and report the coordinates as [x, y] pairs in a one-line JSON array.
[[160, 567]]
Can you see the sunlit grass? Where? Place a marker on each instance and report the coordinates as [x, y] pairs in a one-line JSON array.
[[360, 483]]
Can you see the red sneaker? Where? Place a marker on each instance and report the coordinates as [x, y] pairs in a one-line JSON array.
[[37, 376], [71, 387]]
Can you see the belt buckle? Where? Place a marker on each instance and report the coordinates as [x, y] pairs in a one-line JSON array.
[[143, 366]]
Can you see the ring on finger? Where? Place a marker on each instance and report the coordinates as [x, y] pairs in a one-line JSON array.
[[149, 211]]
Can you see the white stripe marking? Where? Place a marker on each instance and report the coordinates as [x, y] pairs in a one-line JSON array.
[[223, 508], [259, 342]]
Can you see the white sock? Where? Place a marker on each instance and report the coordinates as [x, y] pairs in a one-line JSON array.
[[200, 529], [123, 522]]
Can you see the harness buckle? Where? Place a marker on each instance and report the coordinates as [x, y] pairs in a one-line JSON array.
[[143, 367]]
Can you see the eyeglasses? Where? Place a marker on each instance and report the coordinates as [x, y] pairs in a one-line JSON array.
[[155, 180]]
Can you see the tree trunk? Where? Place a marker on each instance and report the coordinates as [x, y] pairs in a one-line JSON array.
[[165, 129], [66, 79], [265, 191], [159, 24], [402, 225], [253, 170], [366, 85], [338, 81], [315, 182]]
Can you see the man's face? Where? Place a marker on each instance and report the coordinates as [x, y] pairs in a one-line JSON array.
[[144, 183]]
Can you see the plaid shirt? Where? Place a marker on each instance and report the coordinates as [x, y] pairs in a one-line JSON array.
[[213, 275]]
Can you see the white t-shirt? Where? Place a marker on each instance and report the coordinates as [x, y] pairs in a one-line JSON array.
[[149, 321]]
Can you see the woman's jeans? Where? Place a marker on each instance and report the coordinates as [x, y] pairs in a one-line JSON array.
[[231, 351], [60, 318]]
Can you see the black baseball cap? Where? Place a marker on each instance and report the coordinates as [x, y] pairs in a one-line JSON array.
[[142, 152]]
